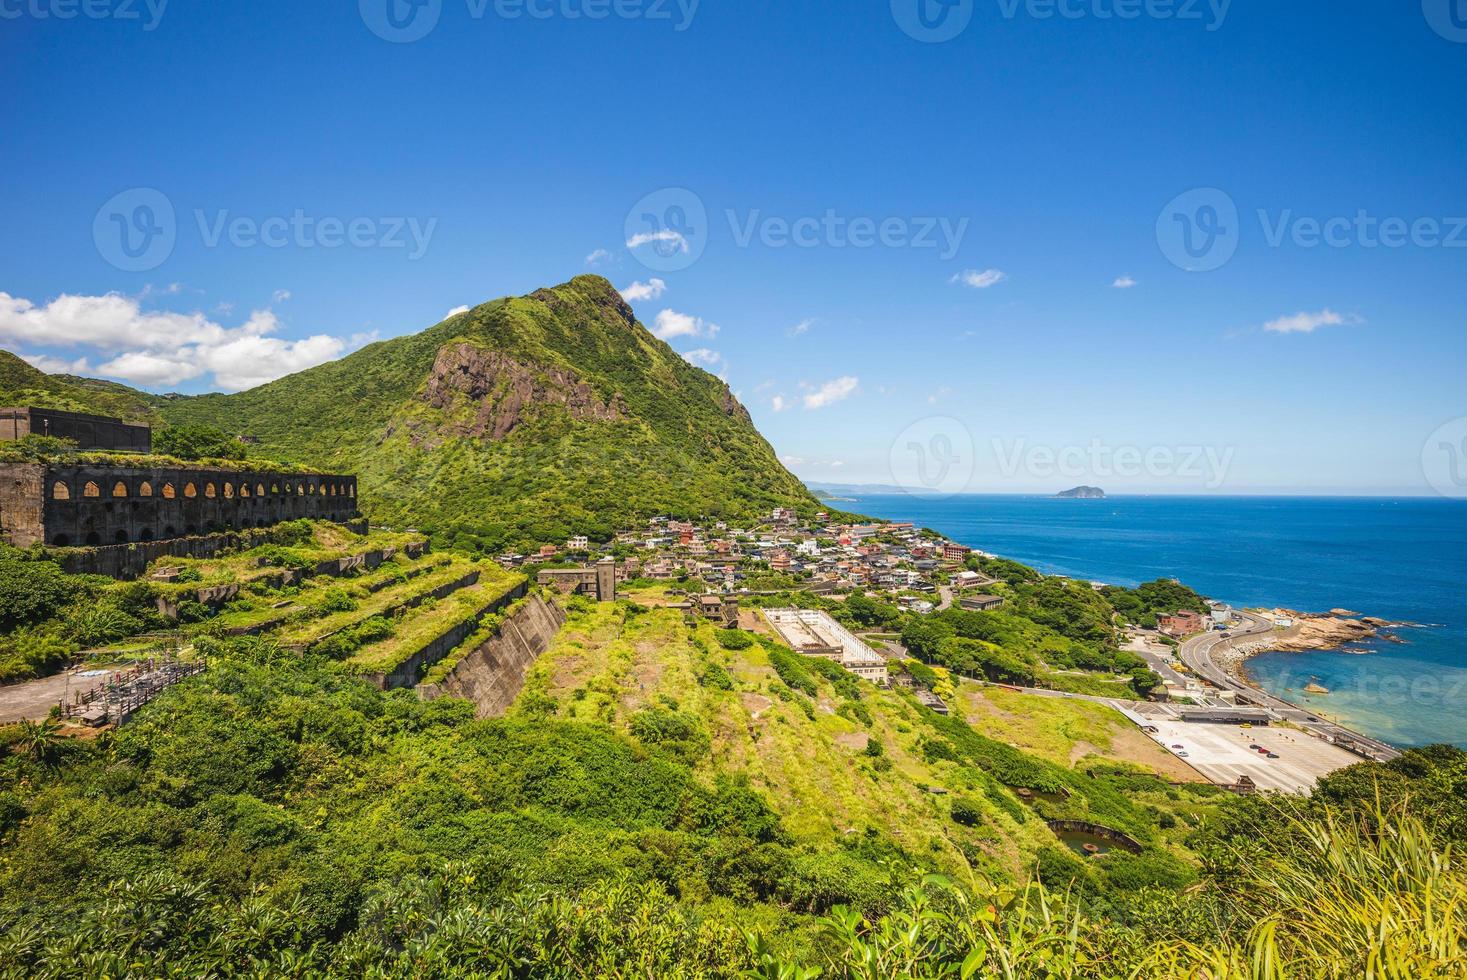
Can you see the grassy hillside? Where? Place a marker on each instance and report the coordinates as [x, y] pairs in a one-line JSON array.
[[21, 384], [843, 760], [524, 419]]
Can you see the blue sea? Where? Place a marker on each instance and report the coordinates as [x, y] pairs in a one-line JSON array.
[[1404, 560]]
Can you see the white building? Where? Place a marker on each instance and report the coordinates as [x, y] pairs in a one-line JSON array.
[[815, 634], [577, 543]]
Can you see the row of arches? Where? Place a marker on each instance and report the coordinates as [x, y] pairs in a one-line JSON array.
[[91, 489]]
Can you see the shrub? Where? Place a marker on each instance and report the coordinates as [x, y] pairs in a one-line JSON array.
[[734, 639], [31, 591], [967, 812]]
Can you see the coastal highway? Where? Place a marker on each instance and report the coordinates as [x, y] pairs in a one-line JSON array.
[[1197, 653]]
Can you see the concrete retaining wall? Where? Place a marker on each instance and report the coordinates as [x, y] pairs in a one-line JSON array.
[[1123, 841], [127, 561], [413, 668], [492, 675]]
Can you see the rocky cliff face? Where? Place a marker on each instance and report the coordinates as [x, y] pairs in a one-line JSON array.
[[488, 394]]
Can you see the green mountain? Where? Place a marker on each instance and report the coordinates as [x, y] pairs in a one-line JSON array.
[[21, 384], [525, 419]]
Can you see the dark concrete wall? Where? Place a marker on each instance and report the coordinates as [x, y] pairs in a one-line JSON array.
[[85, 506], [88, 431], [414, 667], [492, 675], [131, 560]]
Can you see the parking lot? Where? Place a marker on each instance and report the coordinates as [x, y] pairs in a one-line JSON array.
[[1221, 753]]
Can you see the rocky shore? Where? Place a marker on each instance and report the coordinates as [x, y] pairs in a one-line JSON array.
[[1336, 630]]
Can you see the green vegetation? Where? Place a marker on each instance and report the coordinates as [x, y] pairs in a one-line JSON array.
[[21, 384], [523, 421], [193, 442], [1143, 604], [275, 817], [49, 618]]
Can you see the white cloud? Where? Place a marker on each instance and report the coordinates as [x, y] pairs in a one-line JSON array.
[[161, 347], [779, 403], [792, 460], [836, 464], [666, 235], [638, 291], [979, 280], [455, 312], [671, 323], [939, 394], [832, 392], [56, 365], [1124, 282], [597, 257], [1306, 322], [802, 327], [281, 295], [702, 357]]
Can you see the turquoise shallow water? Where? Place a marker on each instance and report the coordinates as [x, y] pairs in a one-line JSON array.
[[1401, 559]]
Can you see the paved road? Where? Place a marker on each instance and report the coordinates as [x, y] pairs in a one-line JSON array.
[[1197, 654]]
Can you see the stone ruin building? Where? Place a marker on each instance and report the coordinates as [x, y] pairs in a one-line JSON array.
[[93, 503]]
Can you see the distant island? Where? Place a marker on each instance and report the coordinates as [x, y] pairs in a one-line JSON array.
[[1085, 493]]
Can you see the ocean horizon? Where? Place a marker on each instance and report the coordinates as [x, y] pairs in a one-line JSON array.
[[1399, 558]]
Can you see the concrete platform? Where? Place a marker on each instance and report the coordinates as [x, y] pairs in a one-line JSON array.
[[1221, 753]]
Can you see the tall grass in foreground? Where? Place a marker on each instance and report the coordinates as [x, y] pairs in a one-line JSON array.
[[1342, 899]]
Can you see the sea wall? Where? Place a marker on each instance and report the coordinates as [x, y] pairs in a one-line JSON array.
[[411, 670], [492, 674]]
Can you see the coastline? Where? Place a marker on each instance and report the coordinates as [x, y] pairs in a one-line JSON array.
[[1332, 632]]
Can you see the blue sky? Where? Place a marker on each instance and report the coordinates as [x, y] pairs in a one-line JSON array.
[[1010, 177]]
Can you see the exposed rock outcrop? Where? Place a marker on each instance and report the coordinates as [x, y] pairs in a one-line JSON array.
[[487, 394]]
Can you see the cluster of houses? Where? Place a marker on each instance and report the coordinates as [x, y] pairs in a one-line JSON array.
[[822, 556]]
